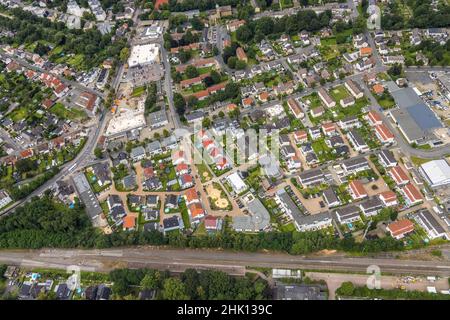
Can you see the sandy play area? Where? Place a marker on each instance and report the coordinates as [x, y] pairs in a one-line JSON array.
[[215, 195], [206, 176]]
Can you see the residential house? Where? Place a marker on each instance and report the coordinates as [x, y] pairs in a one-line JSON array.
[[186, 181], [357, 141], [357, 190], [388, 198], [354, 89], [374, 118], [349, 214], [137, 153], [398, 175], [349, 123], [371, 207], [411, 195], [295, 108], [384, 134], [330, 198], [326, 99], [387, 159], [355, 165], [300, 136], [431, 226], [400, 228]]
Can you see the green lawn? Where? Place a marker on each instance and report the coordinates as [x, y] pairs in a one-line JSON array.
[[419, 161], [19, 114], [138, 91], [314, 99], [339, 93], [70, 114]]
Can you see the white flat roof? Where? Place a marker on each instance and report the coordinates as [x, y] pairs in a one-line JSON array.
[[143, 54], [437, 171], [236, 182]]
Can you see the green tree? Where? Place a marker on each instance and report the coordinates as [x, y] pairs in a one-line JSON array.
[[124, 54], [346, 289], [98, 153], [152, 280], [191, 72], [174, 289], [232, 62]]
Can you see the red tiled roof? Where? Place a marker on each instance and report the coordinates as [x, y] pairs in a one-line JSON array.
[[399, 175], [196, 210], [384, 132], [374, 117], [129, 222], [388, 196], [400, 227], [181, 167], [191, 195], [211, 222], [358, 189], [412, 193]]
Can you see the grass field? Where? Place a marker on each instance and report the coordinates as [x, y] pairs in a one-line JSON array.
[[70, 114], [419, 161], [339, 93], [138, 91]]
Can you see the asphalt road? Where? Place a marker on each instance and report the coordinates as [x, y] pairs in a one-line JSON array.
[[233, 262]]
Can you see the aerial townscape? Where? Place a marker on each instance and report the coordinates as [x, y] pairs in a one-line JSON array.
[[224, 149]]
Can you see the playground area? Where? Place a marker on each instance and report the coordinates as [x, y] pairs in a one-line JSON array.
[[217, 197]]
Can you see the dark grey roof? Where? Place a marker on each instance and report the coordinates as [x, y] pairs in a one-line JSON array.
[[314, 218], [424, 117], [299, 292], [330, 196], [372, 204], [428, 219], [355, 162], [87, 196], [348, 212], [171, 222], [357, 137], [387, 156]]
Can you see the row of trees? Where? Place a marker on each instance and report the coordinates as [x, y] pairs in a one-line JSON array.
[[46, 223], [191, 285], [29, 28], [202, 5], [348, 289], [291, 25], [423, 15]]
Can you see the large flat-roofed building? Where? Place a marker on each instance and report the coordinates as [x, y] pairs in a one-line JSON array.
[[143, 54], [431, 226], [311, 177], [414, 118], [436, 173], [299, 292], [237, 184], [87, 196], [157, 119], [259, 220]]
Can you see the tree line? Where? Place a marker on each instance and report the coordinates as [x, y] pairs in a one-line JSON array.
[[423, 16], [348, 289], [190, 285], [43, 222], [307, 20], [202, 5], [29, 28]]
